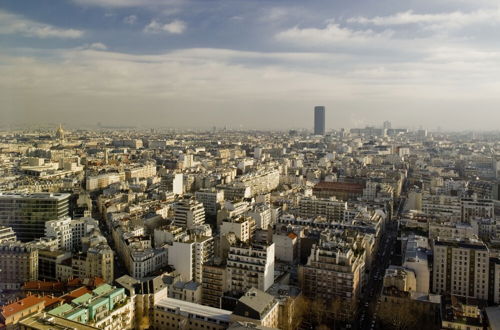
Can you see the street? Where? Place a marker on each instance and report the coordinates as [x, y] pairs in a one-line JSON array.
[[371, 295]]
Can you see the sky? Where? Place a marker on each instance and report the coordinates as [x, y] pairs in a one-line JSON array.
[[251, 64]]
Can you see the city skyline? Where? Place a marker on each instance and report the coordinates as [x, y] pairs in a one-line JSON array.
[[191, 64]]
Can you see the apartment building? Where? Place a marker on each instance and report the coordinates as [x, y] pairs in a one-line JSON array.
[[461, 267], [211, 200], [261, 213], [250, 265], [101, 181], [243, 227], [215, 283], [473, 208], [141, 172], [189, 213], [18, 264], [334, 270], [329, 208], [97, 261], [106, 307], [7, 234], [189, 256], [173, 314]]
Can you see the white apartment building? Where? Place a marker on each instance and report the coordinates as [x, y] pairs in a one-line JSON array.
[[61, 230], [250, 266], [189, 256], [330, 208], [461, 267], [141, 172], [102, 181], [145, 261], [477, 208], [451, 230], [261, 213], [442, 206], [241, 226], [211, 199], [189, 213]]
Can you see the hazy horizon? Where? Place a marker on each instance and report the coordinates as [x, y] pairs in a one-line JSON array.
[[250, 64]]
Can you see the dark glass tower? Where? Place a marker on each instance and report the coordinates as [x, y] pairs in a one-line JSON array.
[[319, 120]]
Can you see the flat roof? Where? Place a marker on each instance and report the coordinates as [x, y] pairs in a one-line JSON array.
[[59, 196], [52, 322], [196, 309], [493, 314]]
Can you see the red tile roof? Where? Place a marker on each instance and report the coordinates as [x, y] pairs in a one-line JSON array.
[[16, 307], [51, 301]]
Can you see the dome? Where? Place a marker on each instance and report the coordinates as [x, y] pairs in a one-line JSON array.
[[60, 132]]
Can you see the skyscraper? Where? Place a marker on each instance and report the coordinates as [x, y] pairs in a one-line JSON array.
[[319, 120]]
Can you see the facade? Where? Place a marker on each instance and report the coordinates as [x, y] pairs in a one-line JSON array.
[[101, 181], [172, 314], [442, 206], [261, 213], [18, 264], [61, 230], [97, 261], [250, 266], [334, 271], [461, 268], [211, 200], [215, 283], [141, 172], [330, 208], [144, 294], [241, 226], [27, 213], [7, 234], [188, 257], [189, 213], [319, 120], [473, 208]]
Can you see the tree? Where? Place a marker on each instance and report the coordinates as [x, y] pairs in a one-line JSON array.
[[399, 316]]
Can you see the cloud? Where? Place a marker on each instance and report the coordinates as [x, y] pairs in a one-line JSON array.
[[130, 19], [450, 20], [279, 86], [174, 27], [127, 3], [98, 46], [15, 24], [332, 34]]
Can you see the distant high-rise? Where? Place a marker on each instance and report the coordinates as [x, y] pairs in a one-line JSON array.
[[319, 120]]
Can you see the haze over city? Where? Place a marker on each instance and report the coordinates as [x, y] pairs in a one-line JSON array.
[[250, 64]]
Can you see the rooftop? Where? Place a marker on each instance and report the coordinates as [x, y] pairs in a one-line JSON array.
[[195, 309]]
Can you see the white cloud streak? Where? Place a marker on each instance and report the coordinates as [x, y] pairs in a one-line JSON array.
[[15, 24], [174, 27], [332, 34], [127, 3], [450, 20]]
